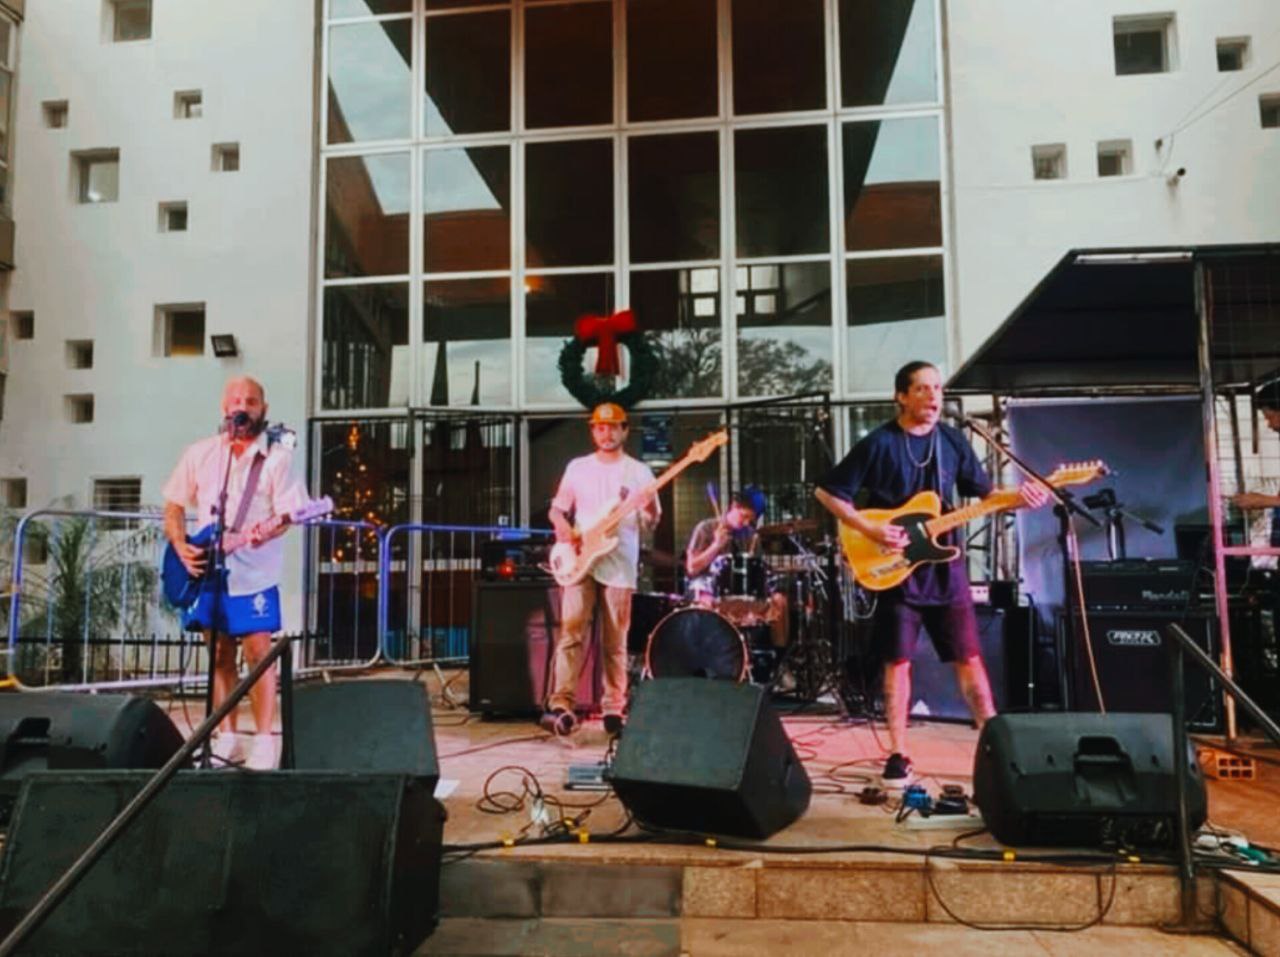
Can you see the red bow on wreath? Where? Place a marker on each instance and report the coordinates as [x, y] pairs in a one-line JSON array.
[[604, 332]]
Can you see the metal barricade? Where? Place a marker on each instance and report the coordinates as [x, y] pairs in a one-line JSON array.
[[85, 609], [341, 596], [433, 614]]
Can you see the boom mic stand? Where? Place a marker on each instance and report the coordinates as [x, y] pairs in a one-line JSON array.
[[213, 574], [1066, 507]]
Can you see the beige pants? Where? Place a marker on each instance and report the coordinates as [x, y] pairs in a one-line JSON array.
[[577, 607]]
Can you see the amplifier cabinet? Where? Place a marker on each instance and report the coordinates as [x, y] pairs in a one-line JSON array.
[[1135, 667]]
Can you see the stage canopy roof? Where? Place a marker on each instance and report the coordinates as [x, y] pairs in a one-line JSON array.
[[1126, 320]]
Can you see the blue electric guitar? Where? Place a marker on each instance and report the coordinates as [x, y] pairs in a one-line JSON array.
[[181, 588]]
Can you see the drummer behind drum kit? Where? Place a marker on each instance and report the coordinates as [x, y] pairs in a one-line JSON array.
[[733, 637]]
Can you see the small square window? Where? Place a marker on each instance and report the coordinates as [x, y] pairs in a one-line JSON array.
[[1269, 110], [79, 408], [1144, 44], [226, 157], [55, 114], [1115, 158], [188, 105], [24, 325], [1233, 53], [1049, 161], [79, 353], [173, 217], [179, 330], [129, 20], [13, 492], [97, 175], [118, 495]]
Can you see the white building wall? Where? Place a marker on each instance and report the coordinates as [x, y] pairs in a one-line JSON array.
[[97, 271], [1026, 72]]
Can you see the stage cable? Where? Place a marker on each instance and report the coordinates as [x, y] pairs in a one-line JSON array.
[[1078, 578]]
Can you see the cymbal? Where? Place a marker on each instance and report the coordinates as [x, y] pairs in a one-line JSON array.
[[788, 528]]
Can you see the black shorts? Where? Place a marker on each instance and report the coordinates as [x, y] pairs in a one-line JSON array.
[[952, 628]]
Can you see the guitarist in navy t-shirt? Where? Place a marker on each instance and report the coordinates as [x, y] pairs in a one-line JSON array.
[[913, 453]]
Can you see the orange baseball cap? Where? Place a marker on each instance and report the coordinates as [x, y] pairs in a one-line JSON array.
[[608, 413]]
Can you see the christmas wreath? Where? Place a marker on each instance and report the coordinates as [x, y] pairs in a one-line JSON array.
[[607, 333]]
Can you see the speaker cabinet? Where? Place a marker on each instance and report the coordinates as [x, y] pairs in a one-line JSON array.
[[515, 626], [1083, 780], [1135, 668], [65, 730], [708, 756], [377, 726], [290, 862], [1005, 638]]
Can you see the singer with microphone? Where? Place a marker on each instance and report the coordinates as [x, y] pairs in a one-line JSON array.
[[912, 453], [246, 467]]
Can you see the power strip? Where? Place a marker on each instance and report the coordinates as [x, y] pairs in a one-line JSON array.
[[943, 822]]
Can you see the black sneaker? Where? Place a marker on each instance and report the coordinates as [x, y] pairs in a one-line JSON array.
[[559, 722], [613, 725], [897, 771]]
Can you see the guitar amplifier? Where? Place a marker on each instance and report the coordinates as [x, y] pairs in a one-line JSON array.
[[515, 559], [1138, 583]]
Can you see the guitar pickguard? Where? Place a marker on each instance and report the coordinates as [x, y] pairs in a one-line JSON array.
[[922, 548]]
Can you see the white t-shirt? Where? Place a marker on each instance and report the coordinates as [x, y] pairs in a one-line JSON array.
[[589, 489], [197, 480]]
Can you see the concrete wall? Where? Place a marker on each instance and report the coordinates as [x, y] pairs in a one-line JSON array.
[[1024, 72]]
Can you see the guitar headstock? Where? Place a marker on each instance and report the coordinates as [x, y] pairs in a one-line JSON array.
[[315, 508], [701, 451], [1077, 473]]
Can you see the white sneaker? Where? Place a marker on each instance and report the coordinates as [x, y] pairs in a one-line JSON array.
[[262, 753], [226, 749]]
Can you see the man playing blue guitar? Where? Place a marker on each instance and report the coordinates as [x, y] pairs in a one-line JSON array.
[[257, 461], [909, 454]]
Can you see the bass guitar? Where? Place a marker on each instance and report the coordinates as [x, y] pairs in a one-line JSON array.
[[877, 568], [181, 588], [570, 561]]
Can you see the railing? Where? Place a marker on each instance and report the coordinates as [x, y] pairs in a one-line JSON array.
[[432, 623], [340, 596]]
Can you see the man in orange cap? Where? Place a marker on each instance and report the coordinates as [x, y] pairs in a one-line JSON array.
[[591, 486]]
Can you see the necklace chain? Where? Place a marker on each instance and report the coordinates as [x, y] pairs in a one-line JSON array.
[[933, 445]]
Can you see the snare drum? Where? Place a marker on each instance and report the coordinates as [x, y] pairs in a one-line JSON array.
[[746, 575], [696, 642]]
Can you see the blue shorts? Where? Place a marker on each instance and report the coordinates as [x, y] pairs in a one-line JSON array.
[[237, 614]]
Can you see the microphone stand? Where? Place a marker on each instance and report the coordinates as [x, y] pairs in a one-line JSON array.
[[1066, 507], [213, 575]]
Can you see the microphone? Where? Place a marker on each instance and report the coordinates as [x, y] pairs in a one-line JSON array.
[[959, 418], [240, 420]]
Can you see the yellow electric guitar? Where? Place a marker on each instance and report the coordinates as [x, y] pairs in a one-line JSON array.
[[570, 561], [877, 568]]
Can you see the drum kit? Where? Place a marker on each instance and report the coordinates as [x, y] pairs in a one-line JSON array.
[[768, 622]]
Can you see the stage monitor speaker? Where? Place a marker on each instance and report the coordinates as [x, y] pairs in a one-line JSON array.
[[1004, 637], [708, 756], [376, 726], [514, 627], [1083, 780], [1134, 665], [68, 731], [290, 862]]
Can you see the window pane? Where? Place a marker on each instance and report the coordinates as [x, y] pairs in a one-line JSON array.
[[784, 328], [680, 310], [369, 81], [457, 4], [570, 203], [568, 71], [897, 314], [782, 191], [779, 56], [364, 8], [671, 59], [468, 74], [892, 186], [888, 52], [466, 331], [6, 84], [367, 215], [366, 338], [674, 197], [364, 466], [553, 304], [466, 196]]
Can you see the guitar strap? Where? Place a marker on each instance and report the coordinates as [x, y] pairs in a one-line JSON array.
[[250, 486]]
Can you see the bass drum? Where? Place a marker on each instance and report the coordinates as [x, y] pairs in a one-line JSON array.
[[696, 643]]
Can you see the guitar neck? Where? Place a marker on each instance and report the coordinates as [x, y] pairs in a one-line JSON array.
[[995, 502], [625, 508]]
